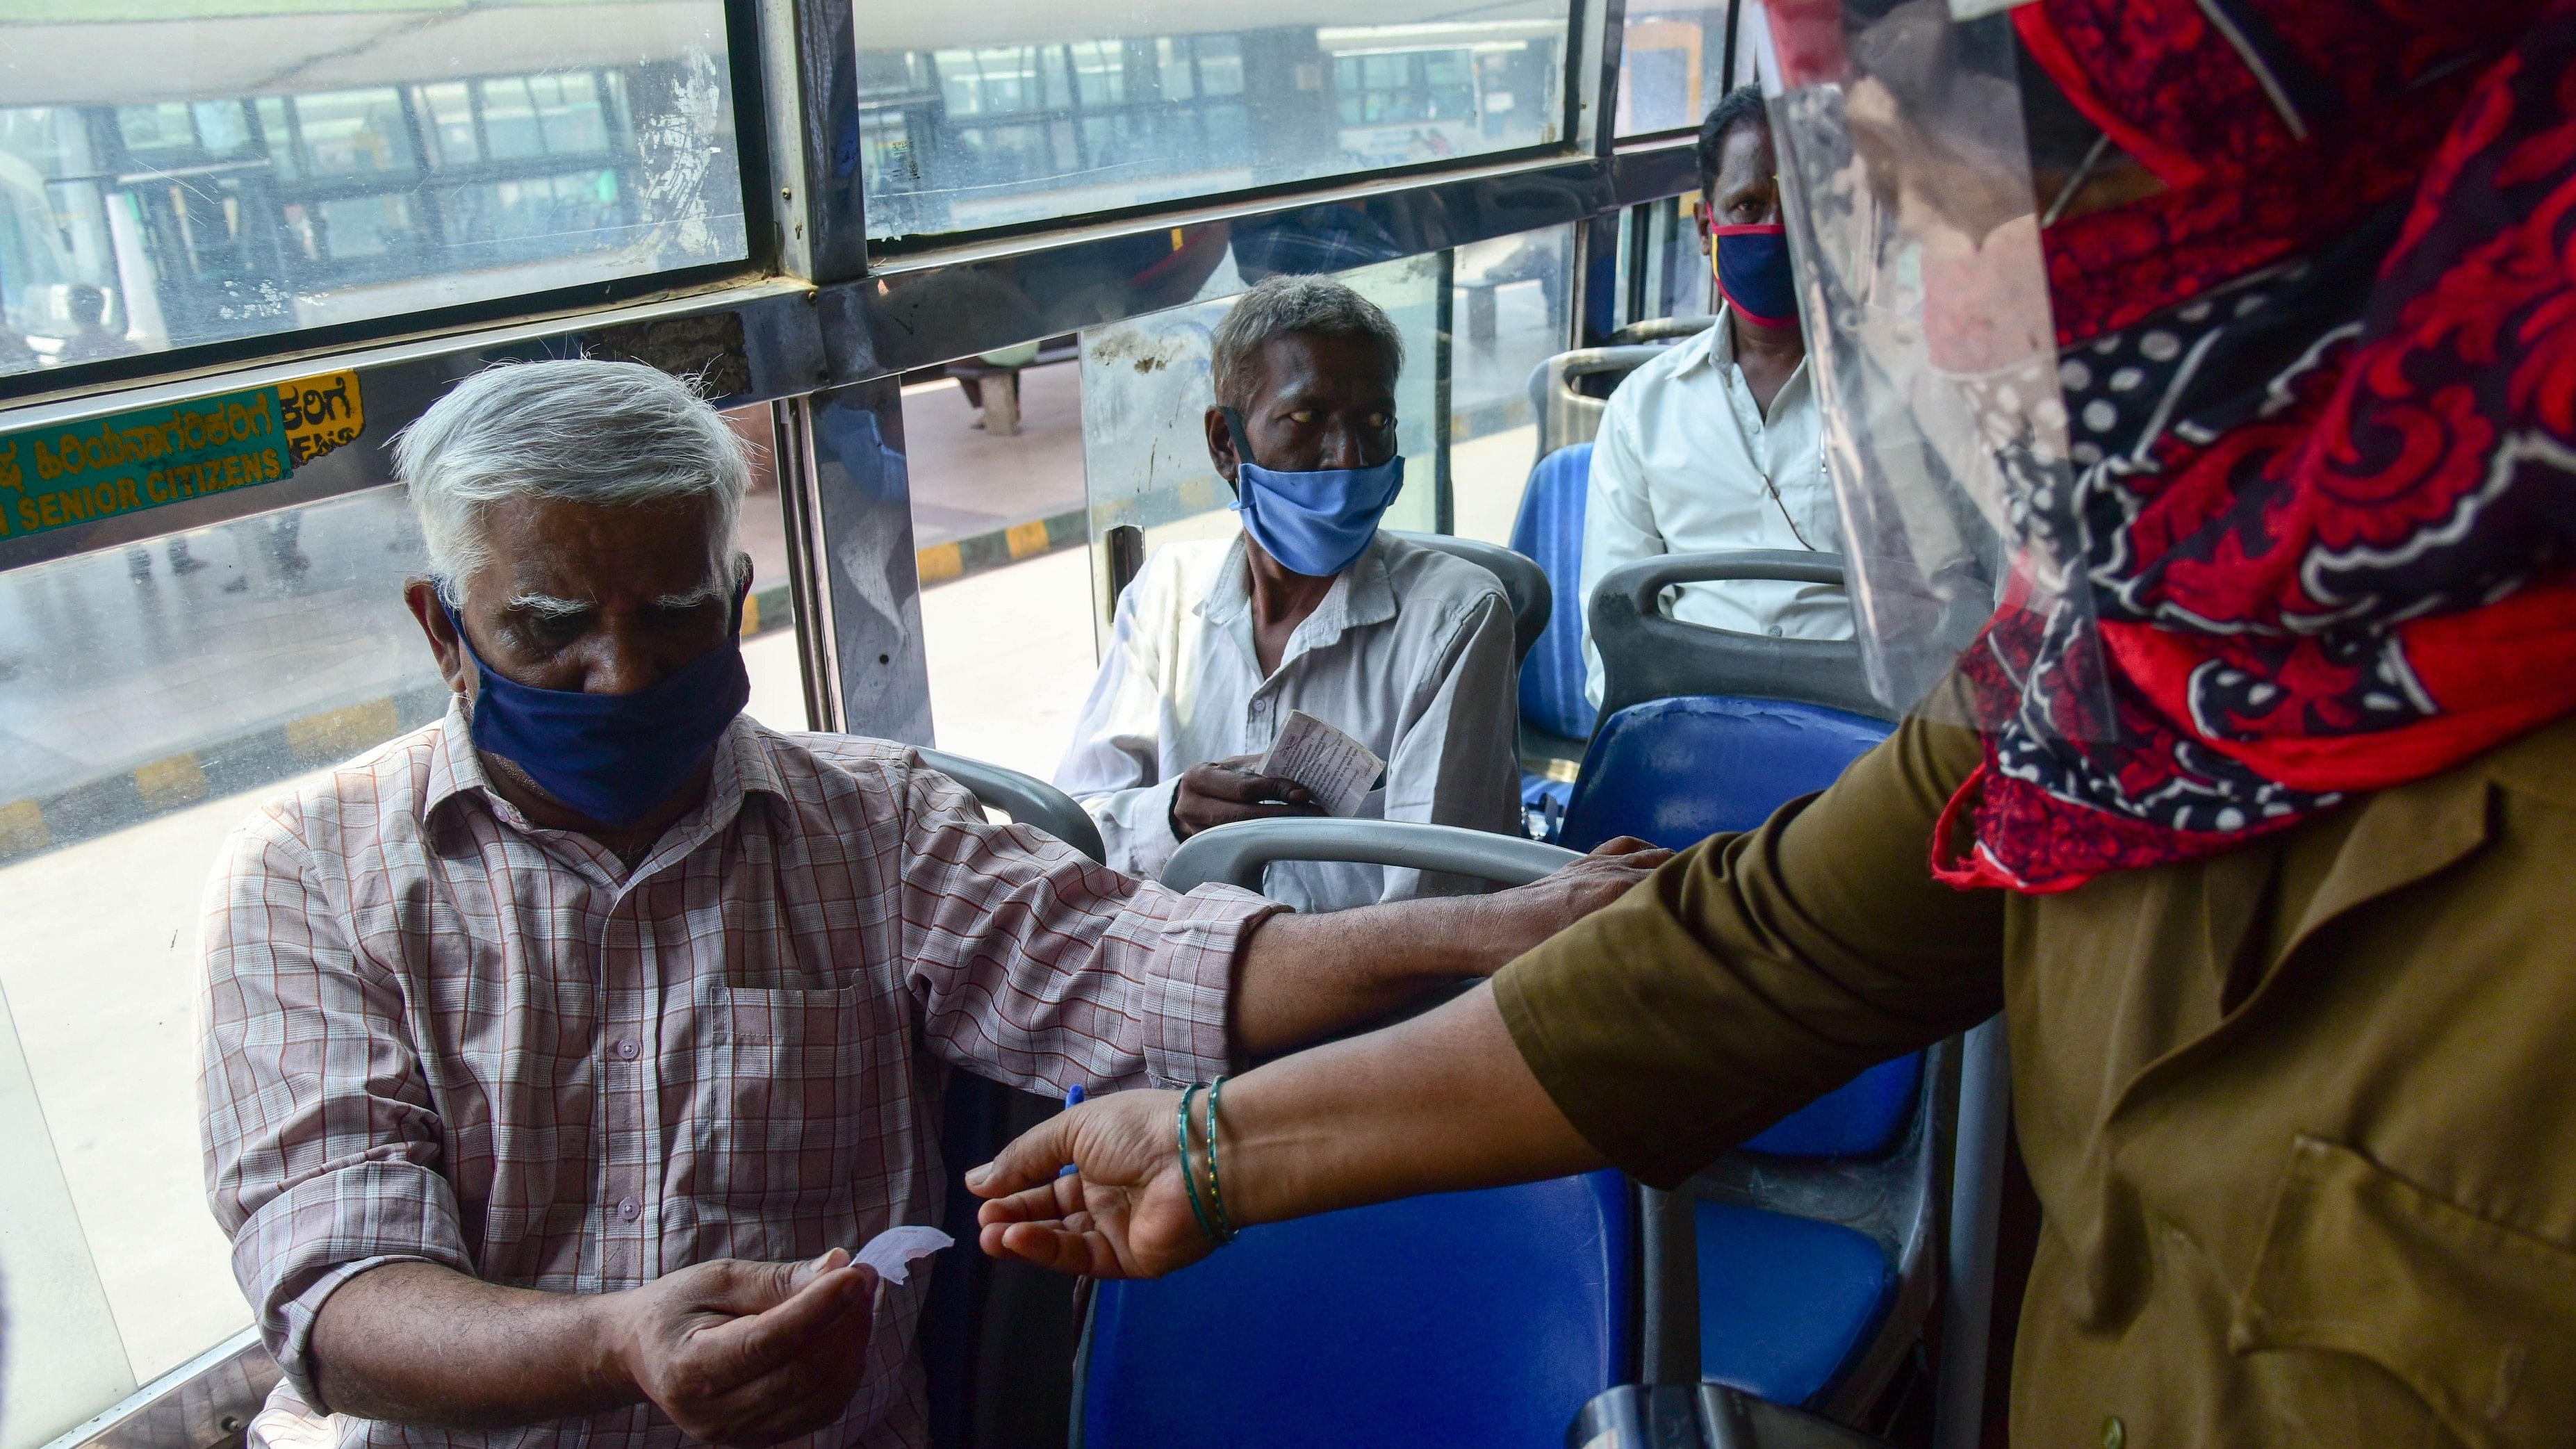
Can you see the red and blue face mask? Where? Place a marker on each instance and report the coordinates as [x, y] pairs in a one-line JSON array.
[[1753, 273]]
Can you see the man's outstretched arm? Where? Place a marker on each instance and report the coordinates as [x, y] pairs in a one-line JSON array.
[[1304, 977], [1441, 1102], [737, 1353], [1750, 975]]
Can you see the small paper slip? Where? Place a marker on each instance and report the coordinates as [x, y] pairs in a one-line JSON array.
[[892, 1251], [1340, 770]]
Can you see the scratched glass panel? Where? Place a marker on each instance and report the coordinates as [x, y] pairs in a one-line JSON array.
[[151, 698], [1672, 67], [997, 112], [236, 175]]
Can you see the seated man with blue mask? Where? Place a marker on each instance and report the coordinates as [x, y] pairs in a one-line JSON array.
[[1407, 650], [556, 1053]]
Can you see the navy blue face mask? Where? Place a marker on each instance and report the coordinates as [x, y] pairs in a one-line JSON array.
[[1317, 522], [613, 757], [1753, 273]]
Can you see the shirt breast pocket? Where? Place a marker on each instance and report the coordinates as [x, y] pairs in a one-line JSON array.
[[791, 1107], [2477, 1319]]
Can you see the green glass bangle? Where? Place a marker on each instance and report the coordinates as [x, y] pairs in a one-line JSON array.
[[1189, 1179], [1216, 1187]]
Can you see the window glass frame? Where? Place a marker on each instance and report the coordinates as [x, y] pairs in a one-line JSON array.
[[1575, 54], [748, 80]]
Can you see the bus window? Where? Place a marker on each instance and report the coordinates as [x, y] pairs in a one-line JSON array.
[[152, 696], [998, 528], [1096, 110], [1508, 312], [184, 195]]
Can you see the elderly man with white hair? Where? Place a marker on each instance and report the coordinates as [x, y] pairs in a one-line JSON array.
[[556, 1053], [1310, 608]]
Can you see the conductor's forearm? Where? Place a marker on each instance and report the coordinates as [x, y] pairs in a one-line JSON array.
[[1440, 1103]]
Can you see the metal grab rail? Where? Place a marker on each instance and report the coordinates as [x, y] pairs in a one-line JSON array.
[[1236, 854], [1027, 799], [1647, 655], [1566, 416]]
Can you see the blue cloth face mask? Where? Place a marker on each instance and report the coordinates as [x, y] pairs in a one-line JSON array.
[[613, 757], [1317, 522], [1753, 273]]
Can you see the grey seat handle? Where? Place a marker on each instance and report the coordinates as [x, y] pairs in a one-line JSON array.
[[1646, 656], [1236, 854], [1027, 799], [1643, 582]]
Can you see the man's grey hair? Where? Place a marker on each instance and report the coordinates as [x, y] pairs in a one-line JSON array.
[[1285, 304], [607, 434]]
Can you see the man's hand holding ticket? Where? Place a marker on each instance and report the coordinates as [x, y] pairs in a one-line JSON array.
[[1338, 770]]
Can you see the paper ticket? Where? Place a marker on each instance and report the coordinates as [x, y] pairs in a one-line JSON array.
[[1338, 769], [892, 1251]]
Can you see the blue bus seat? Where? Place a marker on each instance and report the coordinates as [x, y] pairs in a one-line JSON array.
[[1484, 1318], [1555, 717], [1676, 771], [1549, 529], [1785, 1303]]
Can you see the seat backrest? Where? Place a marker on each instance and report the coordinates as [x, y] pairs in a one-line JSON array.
[[1550, 531], [1483, 1318], [1524, 582], [1567, 416], [1647, 655], [1676, 771], [1463, 1318]]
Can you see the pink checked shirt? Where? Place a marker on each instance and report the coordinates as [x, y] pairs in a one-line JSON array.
[[436, 1032]]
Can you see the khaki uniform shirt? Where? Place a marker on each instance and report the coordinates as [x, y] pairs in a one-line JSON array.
[[2301, 1118]]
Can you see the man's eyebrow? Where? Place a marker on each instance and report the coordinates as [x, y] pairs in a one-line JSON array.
[[547, 606], [703, 594]]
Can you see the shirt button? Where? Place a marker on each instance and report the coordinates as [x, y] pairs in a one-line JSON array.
[[626, 1048], [1775, 631], [2114, 1433], [630, 1210]]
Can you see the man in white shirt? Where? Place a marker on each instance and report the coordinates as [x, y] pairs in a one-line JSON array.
[[1713, 445], [1405, 649]]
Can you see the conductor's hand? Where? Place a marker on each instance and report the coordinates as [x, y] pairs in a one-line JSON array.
[[1221, 792], [741, 1353], [1125, 1214]]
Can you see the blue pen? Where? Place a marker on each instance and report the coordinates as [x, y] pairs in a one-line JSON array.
[[1072, 1098]]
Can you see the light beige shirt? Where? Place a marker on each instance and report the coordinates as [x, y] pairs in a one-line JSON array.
[[1410, 653], [1687, 462]]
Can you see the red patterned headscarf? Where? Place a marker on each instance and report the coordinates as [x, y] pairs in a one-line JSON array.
[[2322, 400]]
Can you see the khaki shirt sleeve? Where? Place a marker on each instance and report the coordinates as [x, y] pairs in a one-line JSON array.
[[1759, 971]]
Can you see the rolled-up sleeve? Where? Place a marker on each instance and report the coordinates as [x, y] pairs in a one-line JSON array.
[[1037, 967], [322, 1150], [1756, 972]]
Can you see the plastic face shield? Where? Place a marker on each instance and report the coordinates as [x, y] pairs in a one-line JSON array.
[[1907, 191]]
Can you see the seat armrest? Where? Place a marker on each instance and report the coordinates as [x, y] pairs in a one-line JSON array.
[[1027, 799], [1237, 854]]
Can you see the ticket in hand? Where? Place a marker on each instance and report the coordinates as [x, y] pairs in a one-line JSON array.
[[1339, 770]]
